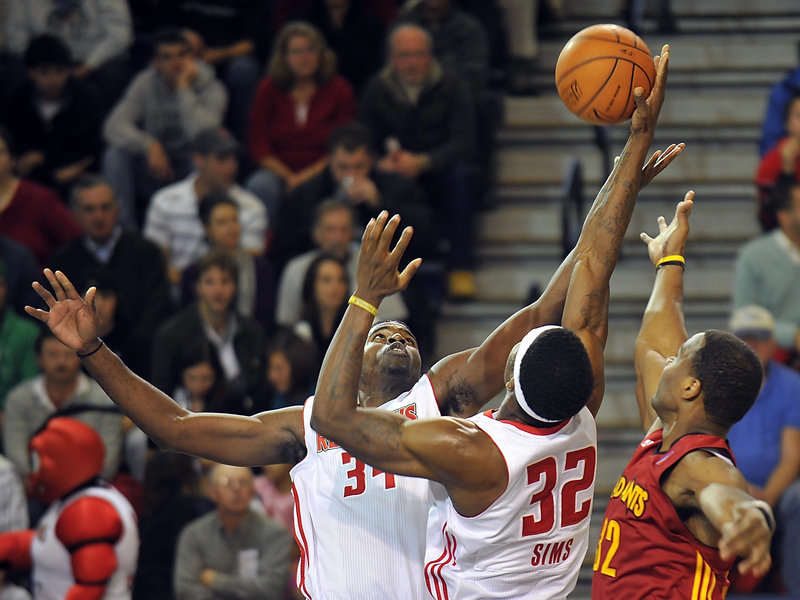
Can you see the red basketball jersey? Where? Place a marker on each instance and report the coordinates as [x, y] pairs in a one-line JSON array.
[[645, 550]]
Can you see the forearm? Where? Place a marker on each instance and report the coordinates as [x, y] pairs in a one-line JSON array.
[[336, 396], [229, 439], [608, 218], [276, 165], [204, 110], [663, 329]]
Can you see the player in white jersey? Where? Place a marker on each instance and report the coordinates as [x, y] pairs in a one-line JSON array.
[[460, 383], [345, 509], [85, 545], [519, 480]]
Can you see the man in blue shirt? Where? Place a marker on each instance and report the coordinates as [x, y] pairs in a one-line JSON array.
[[766, 442]]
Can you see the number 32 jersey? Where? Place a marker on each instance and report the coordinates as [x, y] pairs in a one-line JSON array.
[[361, 531], [645, 549], [531, 541]]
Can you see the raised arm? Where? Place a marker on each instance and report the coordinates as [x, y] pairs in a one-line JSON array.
[[451, 451], [270, 437], [477, 374], [663, 330]]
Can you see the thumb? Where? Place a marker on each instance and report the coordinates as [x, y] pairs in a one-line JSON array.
[[645, 238]]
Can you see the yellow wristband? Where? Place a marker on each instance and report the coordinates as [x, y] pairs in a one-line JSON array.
[[673, 259], [363, 304]]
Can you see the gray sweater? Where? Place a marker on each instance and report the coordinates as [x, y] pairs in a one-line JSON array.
[[152, 111]]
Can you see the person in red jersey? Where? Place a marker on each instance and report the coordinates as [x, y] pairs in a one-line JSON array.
[[85, 545], [680, 515]]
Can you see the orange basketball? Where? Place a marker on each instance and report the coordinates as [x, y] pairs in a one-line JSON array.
[[598, 70]]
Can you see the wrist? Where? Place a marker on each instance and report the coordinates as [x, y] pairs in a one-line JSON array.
[[766, 511], [90, 348], [365, 302]]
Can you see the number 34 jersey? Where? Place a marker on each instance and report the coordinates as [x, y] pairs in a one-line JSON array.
[[532, 540], [361, 531]]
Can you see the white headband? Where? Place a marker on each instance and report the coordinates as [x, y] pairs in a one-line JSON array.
[[524, 344]]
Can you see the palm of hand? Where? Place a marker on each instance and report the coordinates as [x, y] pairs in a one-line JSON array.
[[72, 322]]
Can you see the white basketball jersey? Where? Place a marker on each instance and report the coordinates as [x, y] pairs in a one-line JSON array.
[[52, 570], [361, 531], [531, 541]]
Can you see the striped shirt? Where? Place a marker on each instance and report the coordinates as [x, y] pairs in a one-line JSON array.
[[172, 222]]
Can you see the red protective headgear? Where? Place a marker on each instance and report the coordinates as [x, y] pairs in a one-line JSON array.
[[63, 455]]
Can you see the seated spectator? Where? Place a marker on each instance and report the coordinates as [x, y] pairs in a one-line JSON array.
[[783, 160], [196, 391], [355, 33], [292, 369], [150, 131], [226, 34], [766, 442], [172, 499], [274, 490], [86, 543], [64, 390], [295, 109], [173, 222], [257, 284], [424, 118], [123, 337], [353, 177], [333, 233], [54, 117], [29, 213], [324, 295], [233, 551], [461, 46], [105, 251], [773, 129], [20, 270], [17, 344], [98, 34], [235, 343], [767, 272]]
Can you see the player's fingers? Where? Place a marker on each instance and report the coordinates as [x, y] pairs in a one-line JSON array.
[[662, 224], [44, 294], [645, 238], [639, 99], [89, 298], [400, 247], [69, 289], [385, 241], [58, 291], [408, 272], [37, 313]]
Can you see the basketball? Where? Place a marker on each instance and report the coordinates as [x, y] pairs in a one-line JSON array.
[[599, 68]]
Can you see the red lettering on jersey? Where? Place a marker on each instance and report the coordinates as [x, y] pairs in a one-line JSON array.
[[324, 444], [551, 553], [409, 412], [555, 552], [633, 495]]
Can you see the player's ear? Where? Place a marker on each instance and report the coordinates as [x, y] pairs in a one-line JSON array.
[[690, 388]]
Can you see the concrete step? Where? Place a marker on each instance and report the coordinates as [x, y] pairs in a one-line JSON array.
[[707, 278], [703, 108], [539, 223], [699, 163]]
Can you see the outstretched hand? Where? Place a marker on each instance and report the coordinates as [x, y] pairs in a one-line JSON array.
[[72, 319], [748, 536], [660, 160], [671, 239], [647, 109], [378, 272]]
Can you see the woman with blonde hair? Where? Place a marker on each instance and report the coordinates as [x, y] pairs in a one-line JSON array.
[[296, 107]]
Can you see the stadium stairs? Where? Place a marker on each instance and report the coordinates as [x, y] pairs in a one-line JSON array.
[[725, 56]]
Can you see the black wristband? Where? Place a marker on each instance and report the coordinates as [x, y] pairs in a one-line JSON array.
[[100, 345], [671, 263]]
